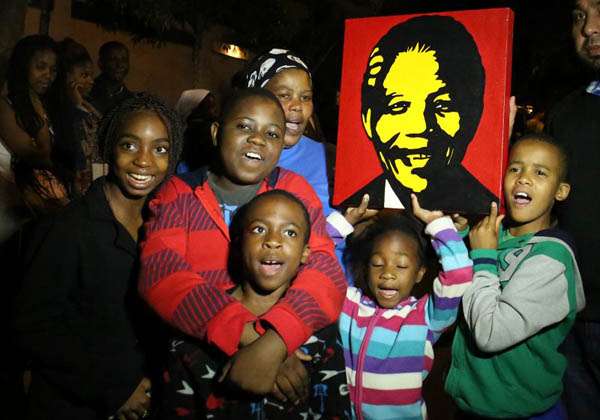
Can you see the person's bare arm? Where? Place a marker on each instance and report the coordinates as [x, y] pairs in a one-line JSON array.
[[35, 151], [292, 381], [254, 368]]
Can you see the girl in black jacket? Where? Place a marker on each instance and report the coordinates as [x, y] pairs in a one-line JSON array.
[[77, 315]]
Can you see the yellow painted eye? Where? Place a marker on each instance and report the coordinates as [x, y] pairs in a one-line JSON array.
[[442, 106], [398, 105]]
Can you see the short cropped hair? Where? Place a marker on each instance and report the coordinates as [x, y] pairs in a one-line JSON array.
[[107, 47], [236, 229], [242, 94], [240, 219], [548, 139]]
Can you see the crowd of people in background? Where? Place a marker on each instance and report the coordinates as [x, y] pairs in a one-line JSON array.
[[187, 263], [50, 114]]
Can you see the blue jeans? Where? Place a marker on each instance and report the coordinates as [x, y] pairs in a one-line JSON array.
[[582, 378]]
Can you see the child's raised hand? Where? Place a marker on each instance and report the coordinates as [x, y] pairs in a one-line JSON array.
[[358, 214], [485, 234], [424, 215], [512, 107], [460, 222], [74, 93]]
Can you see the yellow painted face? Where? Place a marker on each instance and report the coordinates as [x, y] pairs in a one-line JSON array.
[[418, 105]]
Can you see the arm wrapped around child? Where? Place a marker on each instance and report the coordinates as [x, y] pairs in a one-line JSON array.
[[270, 246], [186, 284]]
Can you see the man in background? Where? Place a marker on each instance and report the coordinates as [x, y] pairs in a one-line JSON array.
[[575, 122], [109, 87]]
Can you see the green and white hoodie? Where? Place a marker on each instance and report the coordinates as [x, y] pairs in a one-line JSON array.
[[518, 310]]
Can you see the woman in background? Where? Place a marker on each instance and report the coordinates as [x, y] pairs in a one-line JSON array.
[[26, 136], [76, 120]]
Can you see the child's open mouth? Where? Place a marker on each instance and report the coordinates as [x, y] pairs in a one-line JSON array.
[[388, 293], [522, 198], [271, 267], [292, 127]]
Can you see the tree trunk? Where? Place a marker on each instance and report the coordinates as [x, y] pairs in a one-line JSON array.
[[12, 22]]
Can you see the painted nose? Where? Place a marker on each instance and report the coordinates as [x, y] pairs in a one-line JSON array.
[[417, 122], [423, 123]]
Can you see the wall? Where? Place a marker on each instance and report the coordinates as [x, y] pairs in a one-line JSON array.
[[12, 19], [165, 71]]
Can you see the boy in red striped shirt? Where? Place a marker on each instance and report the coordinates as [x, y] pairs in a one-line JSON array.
[[184, 275]]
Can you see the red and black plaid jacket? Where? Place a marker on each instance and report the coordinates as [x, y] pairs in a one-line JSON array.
[[184, 266]]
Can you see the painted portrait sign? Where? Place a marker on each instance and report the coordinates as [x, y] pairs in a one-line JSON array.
[[424, 109]]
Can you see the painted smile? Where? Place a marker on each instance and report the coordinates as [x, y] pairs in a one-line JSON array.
[[408, 156]]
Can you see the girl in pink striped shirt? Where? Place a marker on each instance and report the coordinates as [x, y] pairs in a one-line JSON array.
[[388, 334]]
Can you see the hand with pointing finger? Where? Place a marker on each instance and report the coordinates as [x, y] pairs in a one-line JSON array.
[[460, 222], [361, 213], [485, 234], [424, 215]]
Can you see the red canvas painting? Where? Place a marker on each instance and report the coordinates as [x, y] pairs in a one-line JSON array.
[[424, 106]]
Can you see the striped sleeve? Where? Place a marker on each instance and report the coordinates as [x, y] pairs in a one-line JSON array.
[[485, 260], [454, 278], [189, 300]]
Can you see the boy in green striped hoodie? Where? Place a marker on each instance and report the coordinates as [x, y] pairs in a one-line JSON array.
[[526, 291]]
